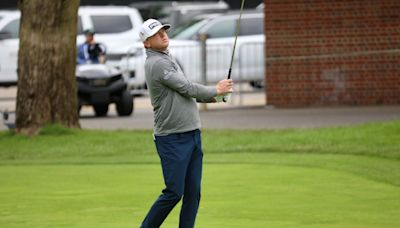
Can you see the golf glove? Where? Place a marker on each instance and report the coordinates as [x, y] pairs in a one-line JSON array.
[[223, 98]]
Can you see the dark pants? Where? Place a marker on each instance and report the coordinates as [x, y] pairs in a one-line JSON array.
[[181, 160]]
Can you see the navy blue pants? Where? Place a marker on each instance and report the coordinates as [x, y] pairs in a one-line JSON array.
[[181, 160]]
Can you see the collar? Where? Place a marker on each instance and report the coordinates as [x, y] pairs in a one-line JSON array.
[[155, 52]]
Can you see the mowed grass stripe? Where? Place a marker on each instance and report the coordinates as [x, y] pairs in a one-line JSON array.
[[234, 195], [56, 143]]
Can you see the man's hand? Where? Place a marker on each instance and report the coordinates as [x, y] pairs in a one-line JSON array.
[[224, 86], [224, 89]]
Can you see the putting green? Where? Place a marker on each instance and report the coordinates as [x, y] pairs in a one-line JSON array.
[[234, 195]]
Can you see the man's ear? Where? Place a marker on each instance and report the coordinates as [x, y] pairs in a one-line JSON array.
[[147, 44]]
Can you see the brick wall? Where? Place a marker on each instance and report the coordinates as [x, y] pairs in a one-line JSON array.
[[323, 52]]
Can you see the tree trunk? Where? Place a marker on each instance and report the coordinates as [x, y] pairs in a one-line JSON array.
[[47, 90]]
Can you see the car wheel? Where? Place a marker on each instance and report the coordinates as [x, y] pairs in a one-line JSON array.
[[257, 84], [125, 104], [101, 110]]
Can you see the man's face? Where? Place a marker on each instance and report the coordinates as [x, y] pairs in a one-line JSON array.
[[89, 38], [159, 41]]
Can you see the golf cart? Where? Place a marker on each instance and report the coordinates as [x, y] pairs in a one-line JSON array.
[[100, 85], [8, 119]]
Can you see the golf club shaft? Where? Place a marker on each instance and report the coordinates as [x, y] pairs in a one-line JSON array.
[[236, 36], [226, 97]]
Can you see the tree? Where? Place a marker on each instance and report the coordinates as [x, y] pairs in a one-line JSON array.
[[47, 90]]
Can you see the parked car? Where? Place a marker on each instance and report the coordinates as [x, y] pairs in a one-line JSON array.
[[177, 13], [220, 29], [9, 43], [115, 26]]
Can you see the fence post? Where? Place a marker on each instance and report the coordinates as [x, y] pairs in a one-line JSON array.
[[203, 65], [240, 65]]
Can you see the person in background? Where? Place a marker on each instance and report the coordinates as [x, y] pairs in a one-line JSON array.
[[91, 52]]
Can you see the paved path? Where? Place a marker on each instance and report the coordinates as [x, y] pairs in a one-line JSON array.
[[259, 118], [253, 114]]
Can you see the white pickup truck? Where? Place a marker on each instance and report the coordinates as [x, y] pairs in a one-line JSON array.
[[117, 27]]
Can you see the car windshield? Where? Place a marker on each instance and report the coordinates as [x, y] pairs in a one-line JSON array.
[[189, 30], [107, 24], [12, 29]]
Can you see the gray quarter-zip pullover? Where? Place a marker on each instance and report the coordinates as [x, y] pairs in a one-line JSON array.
[[173, 95]]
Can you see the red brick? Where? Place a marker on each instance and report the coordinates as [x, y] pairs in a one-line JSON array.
[[347, 52]]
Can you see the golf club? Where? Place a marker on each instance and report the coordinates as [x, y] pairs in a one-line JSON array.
[[225, 98]]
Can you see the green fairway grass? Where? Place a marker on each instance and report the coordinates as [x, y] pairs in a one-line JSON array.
[[330, 177]]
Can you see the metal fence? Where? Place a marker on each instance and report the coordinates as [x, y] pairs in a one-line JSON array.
[[247, 71]]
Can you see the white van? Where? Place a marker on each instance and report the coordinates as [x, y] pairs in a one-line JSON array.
[[117, 27], [9, 43]]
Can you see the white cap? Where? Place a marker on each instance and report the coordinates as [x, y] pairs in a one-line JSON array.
[[150, 27]]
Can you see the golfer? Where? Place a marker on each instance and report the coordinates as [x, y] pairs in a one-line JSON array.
[[176, 126]]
